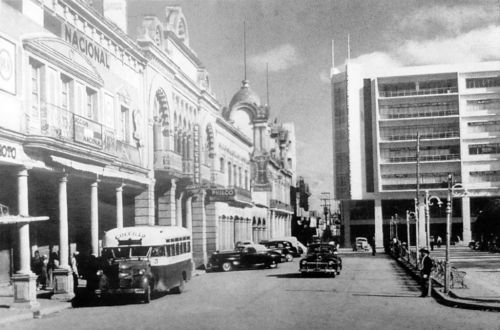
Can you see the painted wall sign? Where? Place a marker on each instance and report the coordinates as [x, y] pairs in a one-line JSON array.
[[88, 132], [86, 46], [221, 195], [7, 66], [197, 171], [7, 151]]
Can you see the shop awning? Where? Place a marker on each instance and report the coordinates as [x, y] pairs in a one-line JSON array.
[[99, 170]]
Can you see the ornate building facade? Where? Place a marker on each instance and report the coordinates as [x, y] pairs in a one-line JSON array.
[[110, 122]]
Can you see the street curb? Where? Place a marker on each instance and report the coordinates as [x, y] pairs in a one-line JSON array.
[[452, 300], [30, 314]]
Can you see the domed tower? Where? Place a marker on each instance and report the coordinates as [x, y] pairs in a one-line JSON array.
[[248, 101]]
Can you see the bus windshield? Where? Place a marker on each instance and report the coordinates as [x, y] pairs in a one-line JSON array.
[[126, 252]]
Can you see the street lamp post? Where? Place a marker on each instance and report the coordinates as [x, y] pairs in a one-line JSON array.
[[447, 269], [428, 204], [409, 214], [449, 213]]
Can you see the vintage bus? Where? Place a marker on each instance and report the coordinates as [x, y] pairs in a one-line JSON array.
[[144, 259]]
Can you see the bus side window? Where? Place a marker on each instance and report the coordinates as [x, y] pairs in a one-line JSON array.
[[169, 252], [177, 249]]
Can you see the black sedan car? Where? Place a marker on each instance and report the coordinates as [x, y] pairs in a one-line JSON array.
[[283, 247], [243, 257], [321, 258]]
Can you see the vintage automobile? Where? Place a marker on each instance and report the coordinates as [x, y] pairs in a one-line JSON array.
[[141, 260], [284, 247], [361, 244], [244, 257], [322, 258]]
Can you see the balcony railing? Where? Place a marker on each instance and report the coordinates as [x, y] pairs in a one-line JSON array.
[[168, 160], [64, 125], [276, 204], [423, 158], [429, 135], [438, 113], [413, 92]]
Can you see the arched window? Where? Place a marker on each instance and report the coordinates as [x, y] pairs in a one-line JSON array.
[[229, 174], [221, 166]]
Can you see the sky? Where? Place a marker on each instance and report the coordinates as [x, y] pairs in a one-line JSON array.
[[294, 38]]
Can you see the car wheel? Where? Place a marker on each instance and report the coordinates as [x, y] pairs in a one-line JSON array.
[[227, 266], [147, 295], [273, 264], [333, 274], [182, 286], [289, 257]]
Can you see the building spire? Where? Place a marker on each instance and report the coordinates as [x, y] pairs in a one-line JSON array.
[[333, 53], [348, 46], [267, 82], [245, 49]]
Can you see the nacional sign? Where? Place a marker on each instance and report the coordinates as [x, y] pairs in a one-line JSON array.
[[7, 66], [86, 46], [221, 195], [88, 132]]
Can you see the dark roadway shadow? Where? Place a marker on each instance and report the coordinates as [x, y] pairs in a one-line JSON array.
[[299, 275], [85, 298]]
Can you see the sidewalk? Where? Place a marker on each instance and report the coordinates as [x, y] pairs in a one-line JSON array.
[[9, 314], [482, 280]]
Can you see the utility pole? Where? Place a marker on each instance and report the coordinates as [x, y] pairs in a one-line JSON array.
[[325, 199]]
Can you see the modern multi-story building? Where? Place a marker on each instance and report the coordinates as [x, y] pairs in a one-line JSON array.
[[454, 110], [108, 122]]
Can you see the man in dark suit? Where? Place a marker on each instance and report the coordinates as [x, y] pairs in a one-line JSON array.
[[425, 270]]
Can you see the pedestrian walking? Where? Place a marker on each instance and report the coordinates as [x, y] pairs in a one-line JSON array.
[[439, 241], [53, 264], [36, 267], [425, 271], [43, 272], [374, 250], [74, 269]]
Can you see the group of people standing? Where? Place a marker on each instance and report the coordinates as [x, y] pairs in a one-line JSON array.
[[44, 267]]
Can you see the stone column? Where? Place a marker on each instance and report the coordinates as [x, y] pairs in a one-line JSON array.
[[467, 234], [63, 279], [199, 230], [421, 222], [346, 220], [24, 228], [189, 213], [178, 209], [63, 223], [167, 206], [24, 281], [119, 206], [145, 207], [379, 233], [94, 218]]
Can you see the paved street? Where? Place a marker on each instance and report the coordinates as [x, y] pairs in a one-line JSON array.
[[371, 293]]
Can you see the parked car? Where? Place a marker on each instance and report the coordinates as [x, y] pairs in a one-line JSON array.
[[301, 248], [284, 247], [243, 257], [322, 258], [361, 243]]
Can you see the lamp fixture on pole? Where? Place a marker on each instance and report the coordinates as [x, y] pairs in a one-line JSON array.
[[428, 204]]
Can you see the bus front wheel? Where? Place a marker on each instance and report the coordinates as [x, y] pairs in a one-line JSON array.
[[147, 295], [182, 285]]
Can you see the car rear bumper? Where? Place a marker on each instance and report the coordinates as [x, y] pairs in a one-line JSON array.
[[121, 291]]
